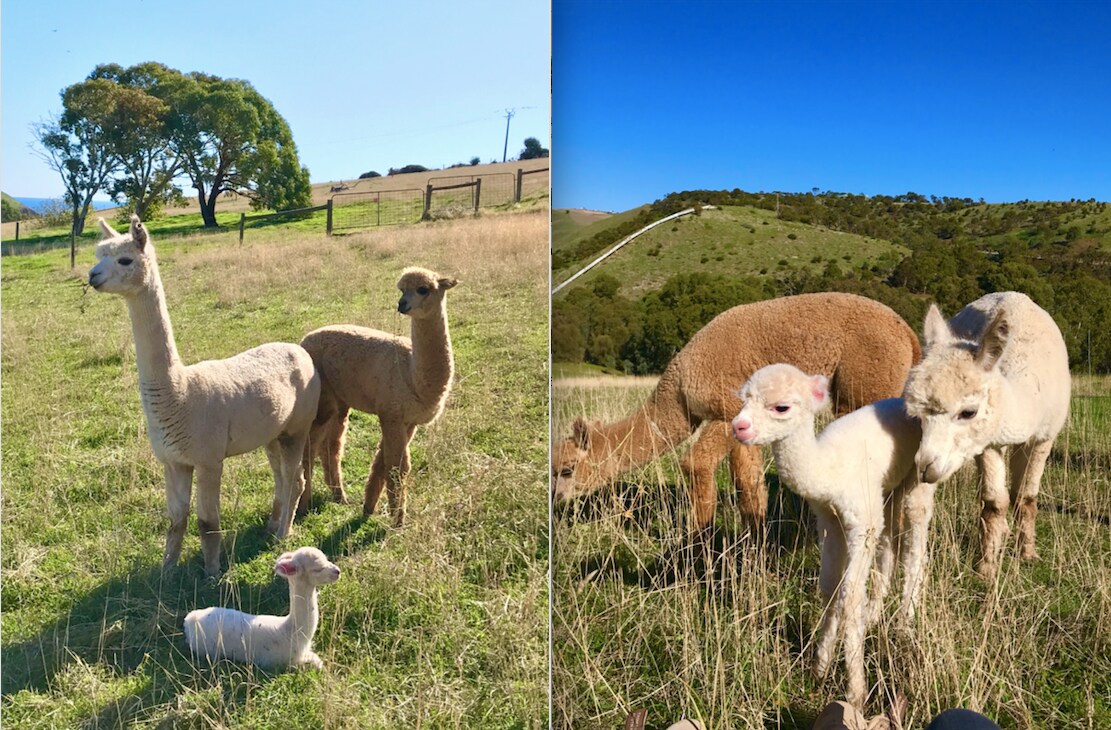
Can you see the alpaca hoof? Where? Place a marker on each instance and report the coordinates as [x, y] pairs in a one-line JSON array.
[[1029, 555], [340, 496], [312, 660], [987, 571]]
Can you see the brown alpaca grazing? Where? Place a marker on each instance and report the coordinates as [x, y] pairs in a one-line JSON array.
[[403, 380], [862, 346]]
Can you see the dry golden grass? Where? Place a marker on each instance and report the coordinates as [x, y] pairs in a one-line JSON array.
[[441, 624], [640, 618]]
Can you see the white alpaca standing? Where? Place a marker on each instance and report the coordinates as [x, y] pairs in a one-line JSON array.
[[845, 475], [997, 375], [404, 380], [198, 415], [268, 641]]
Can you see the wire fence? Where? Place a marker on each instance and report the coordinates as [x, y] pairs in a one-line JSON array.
[[376, 208]]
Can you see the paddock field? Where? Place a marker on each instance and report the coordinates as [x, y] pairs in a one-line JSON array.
[[443, 623], [640, 619]]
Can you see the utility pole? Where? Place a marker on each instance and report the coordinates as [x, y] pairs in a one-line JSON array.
[[508, 115]]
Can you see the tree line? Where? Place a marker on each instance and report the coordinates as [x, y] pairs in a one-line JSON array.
[[136, 133], [960, 250]]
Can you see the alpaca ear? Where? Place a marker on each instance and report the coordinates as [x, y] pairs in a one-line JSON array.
[[994, 341], [935, 330], [819, 391], [138, 232], [285, 565], [106, 229], [447, 283], [580, 434]]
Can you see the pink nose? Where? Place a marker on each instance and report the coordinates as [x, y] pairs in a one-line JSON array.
[[742, 428]]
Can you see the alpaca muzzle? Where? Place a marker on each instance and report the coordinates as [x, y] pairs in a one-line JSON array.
[[743, 430]]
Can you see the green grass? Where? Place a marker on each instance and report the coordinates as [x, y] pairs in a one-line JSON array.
[[571, 228], [734, 240], [442, 623], [641, 618]]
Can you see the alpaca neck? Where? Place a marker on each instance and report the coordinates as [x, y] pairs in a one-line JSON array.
[[798, 459], [432, 364], [303, 615], [654, 429], [155, 352]]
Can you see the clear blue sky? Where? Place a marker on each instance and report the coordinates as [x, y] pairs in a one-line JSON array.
[[363, 85], [1001, 100]]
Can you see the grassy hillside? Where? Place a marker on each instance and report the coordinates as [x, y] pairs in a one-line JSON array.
[[440, 624], [187, 219], [641, 618], [570, 227], [733, 240], [637, 308]]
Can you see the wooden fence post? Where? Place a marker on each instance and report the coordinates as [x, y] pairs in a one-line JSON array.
[[329, 226], [477, 194], [520, 175], [427, 202], [242, 223], [17, 231]]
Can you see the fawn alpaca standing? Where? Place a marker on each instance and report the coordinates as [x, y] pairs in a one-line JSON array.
[[997, 375], [268, 641], [845, 475], [405, 381], [864, 347], [198, 415]]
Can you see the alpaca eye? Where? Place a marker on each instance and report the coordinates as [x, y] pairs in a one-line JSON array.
[[967, 414], [567, 472], [782, 408], [422, 290], [125, 261]]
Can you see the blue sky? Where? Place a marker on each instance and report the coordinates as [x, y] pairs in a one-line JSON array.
[[1002, 100], [363, 85]]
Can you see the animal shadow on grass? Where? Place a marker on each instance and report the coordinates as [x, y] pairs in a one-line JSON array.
[[174, 670], [703, 553], [132, 623]]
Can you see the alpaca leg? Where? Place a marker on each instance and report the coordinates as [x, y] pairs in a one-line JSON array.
[[291, 449], [699, 464], [1027, 465], [746, 465], [332, 453], [832, 540], [304, 502], [918, 510], [993, 515], [208, 514], [854, 589], [886, 553], [395, 462], [179, 490], [375, 483], [274, 456]]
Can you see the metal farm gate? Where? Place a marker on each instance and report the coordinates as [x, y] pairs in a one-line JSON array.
[[451, 195], [376, 208]]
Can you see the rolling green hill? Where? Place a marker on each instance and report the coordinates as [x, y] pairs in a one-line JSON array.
[[636, 309], [731, 240]]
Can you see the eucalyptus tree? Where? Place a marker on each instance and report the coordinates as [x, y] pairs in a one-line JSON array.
[[229, 138]]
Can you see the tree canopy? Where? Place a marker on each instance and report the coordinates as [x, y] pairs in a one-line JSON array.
[[135, 132], [533, 150]]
